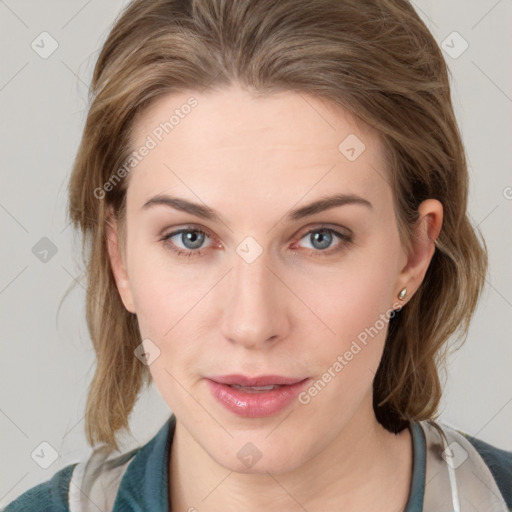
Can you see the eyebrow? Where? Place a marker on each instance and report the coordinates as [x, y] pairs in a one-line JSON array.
[[208, 213]]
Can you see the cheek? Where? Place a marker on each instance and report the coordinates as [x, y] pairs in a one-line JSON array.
[[355, 306], [162, 291], [168, 300], [355, 297], [345, 363]]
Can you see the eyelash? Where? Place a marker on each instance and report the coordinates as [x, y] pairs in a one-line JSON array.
[[314, 252]]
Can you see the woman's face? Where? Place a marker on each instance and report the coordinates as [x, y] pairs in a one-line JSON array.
[[267, 284]]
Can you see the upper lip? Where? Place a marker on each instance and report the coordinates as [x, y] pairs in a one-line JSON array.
[[262, 380]]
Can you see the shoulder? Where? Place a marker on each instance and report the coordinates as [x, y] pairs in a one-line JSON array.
[[99, 479], [49, 496], [499, 462], [487, 464], [96, 478]]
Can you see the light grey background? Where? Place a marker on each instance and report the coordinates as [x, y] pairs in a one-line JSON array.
[[47, 360]]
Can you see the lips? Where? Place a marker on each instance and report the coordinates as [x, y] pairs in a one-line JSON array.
[[261, 396]]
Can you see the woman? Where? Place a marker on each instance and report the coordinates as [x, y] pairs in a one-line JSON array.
[[273, 197]]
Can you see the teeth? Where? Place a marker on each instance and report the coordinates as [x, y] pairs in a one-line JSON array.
[[255, 389]]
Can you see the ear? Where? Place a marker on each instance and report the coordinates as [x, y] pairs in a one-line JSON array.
[[118, 263], [425, 232]]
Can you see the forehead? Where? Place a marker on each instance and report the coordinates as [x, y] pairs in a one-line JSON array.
[[281, 146]]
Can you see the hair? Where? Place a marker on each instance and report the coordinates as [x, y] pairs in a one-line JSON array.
[[374, 58]]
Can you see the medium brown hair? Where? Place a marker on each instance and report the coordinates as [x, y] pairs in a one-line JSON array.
[[375, 58]]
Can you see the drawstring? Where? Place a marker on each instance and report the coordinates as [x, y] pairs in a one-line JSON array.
[[453, 482], [451, 472]]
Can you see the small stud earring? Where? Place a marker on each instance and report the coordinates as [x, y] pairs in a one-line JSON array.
[[402, 294]]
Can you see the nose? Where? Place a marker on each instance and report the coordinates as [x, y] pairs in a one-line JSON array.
[[255, 314]]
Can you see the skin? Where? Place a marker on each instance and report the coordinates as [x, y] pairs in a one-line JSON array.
[[291, 312]]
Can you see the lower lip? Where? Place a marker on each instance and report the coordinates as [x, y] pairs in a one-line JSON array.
[[256, 404]]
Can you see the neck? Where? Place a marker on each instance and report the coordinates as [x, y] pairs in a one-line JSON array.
[[365, 468]]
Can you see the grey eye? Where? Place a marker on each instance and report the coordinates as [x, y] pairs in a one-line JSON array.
[[192, 239], [320, 239]]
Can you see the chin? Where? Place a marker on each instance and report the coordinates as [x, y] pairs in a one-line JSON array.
[[255, 457]]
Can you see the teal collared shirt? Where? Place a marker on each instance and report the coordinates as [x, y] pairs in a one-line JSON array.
[[145, 483]]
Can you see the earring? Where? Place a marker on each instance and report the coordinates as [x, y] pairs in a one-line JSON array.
[[402, 294]]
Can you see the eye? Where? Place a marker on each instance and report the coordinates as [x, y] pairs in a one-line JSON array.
[[191, 238], [322, 238]]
